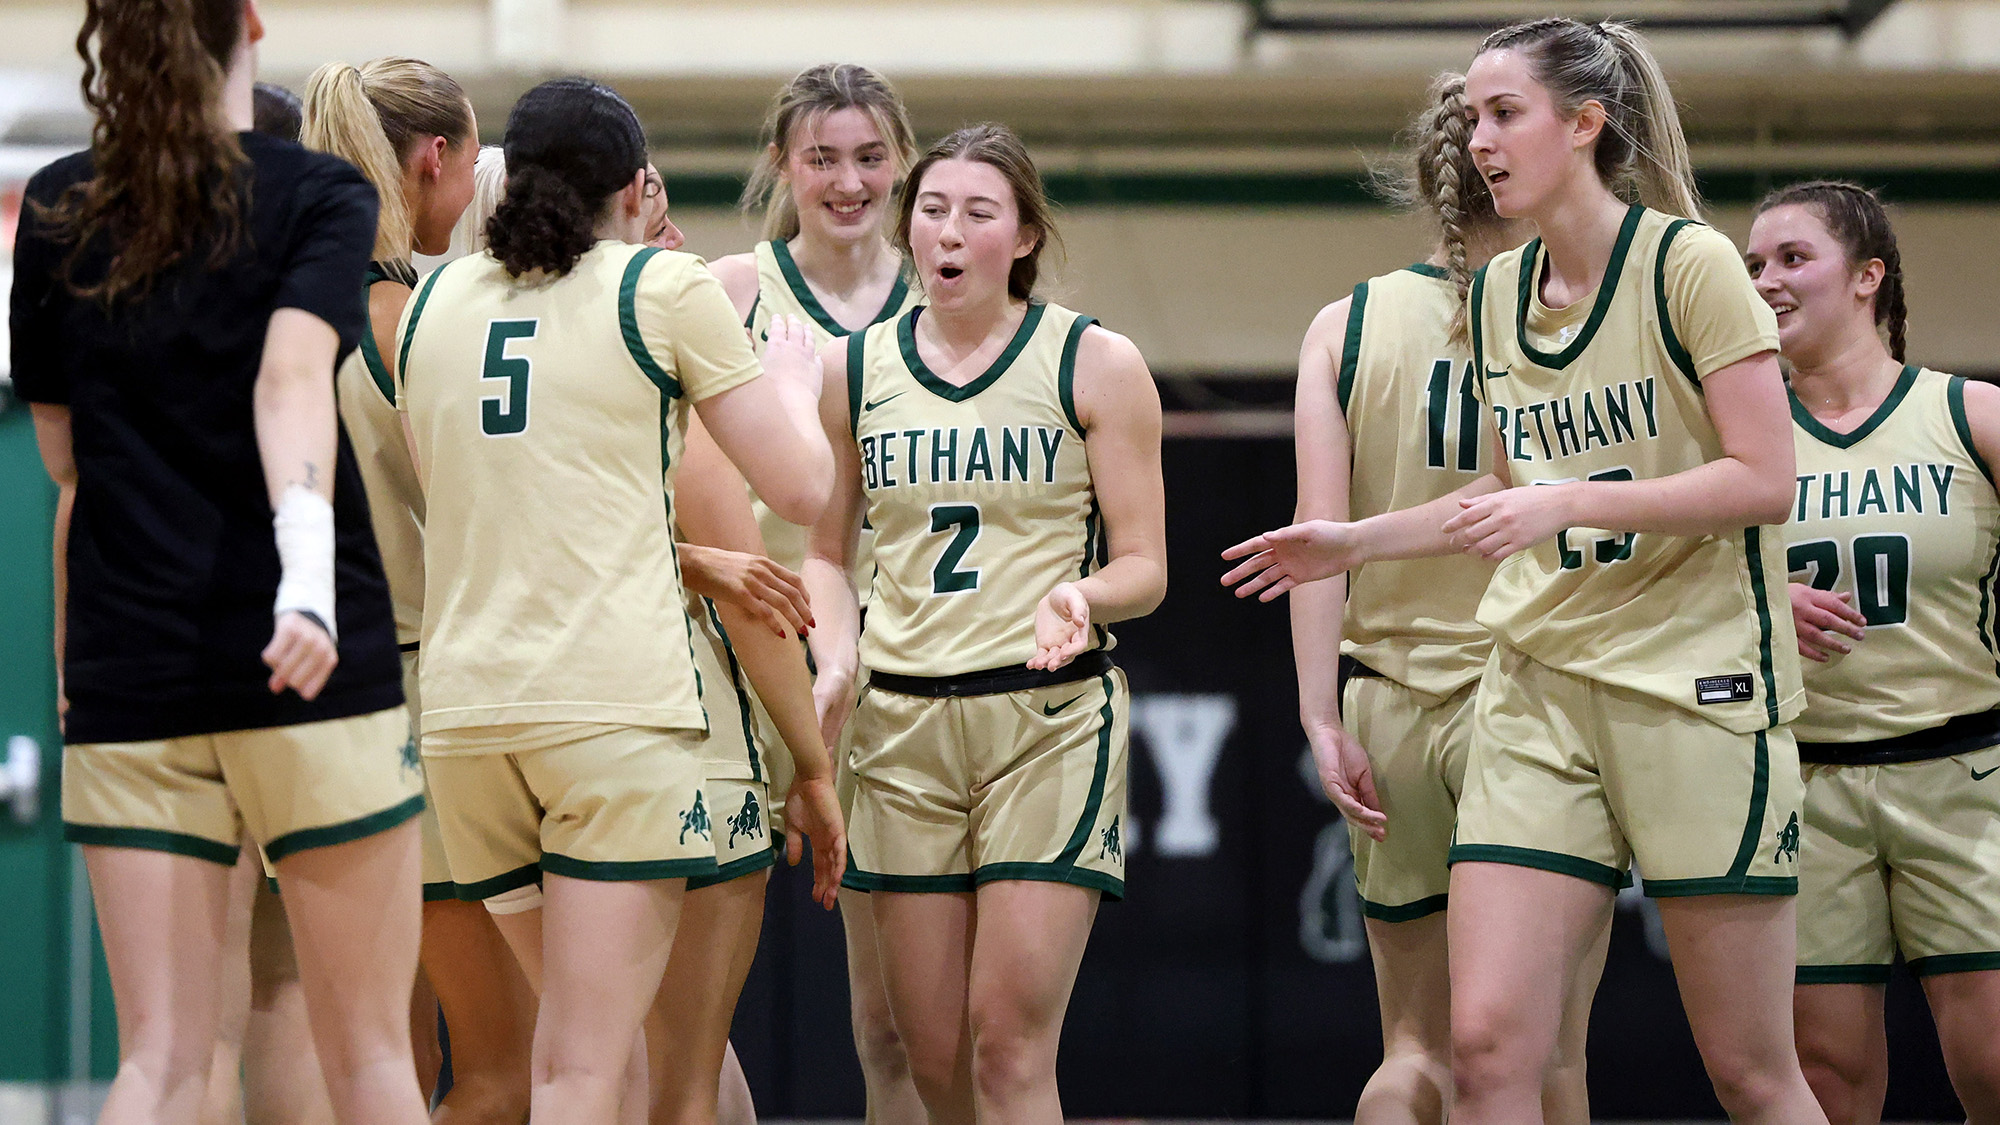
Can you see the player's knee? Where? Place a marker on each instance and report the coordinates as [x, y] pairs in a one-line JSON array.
[[1975, 1076], [489, 1097], [1414, 1078], [1747, 1082], [1007, 1064], [1489, 1053]]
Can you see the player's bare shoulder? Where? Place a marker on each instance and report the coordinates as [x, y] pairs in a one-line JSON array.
[[738, 275], [1111, 374]]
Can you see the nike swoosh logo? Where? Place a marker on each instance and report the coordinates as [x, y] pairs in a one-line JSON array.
[[1496, 374], [866, 407], [1048, 710], [1982, 775]]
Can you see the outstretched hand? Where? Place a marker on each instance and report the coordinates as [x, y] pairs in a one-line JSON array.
[[1277, 561], [812, 811], [1062, 627], [1822, 618]]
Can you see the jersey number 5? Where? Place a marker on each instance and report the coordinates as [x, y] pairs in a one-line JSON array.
[[962, 520], [499, 417], [1881, 573]]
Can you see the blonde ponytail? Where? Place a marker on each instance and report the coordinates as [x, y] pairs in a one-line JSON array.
[[1661, 165], [371, 116], [339, 119]]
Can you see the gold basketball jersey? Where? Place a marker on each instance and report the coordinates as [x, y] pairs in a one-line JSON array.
[[782, 290], [1610, 389], [1900, 513], [367, 398], [1415, 433], [547, 416], [740, 732], [980, 495]]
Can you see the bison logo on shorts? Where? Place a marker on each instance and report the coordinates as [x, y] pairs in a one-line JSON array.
[[748, 820], [695, 819], [1788, 841], [1111, 847]]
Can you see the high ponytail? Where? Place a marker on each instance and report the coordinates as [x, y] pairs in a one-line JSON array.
[[1858, 221], [1439, 176], [166, 165], [339, 119], [371, 117], [1642, 153]]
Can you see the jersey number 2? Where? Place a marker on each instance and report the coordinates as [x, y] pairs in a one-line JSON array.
[[963, 521], [499, 417], [1881, 573]]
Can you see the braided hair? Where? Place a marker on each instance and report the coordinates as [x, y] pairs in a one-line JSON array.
[[1438, 176]]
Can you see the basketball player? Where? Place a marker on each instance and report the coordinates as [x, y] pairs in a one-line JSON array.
[[1400, 636], [1636, 702], [837, 142], [1893, 540], [561, 734], [1007, 453], [227, 642]]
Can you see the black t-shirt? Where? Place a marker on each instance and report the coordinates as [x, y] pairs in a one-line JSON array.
[[172, 564]]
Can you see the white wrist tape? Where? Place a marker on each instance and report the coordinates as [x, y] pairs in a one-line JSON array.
[[520, 900], [304, 527]]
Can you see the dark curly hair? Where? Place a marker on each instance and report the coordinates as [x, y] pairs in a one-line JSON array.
[[570, 143]]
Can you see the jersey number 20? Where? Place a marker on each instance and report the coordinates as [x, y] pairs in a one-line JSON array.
[[1881, 573], [962, 520], [499, 417]]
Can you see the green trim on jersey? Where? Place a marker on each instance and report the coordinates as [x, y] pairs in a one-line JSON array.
[[857, 367], [152, 840], [628, 324], [737, 868], [1821, 433], [1676, 351], [1606, 290], [1066, 370], [742, 695], [803, 294], [1954, 397], [1842, 974], [292, 843], [1428, 270], [755, 299], [378, 374], [906, 337], [1753, 560], [1111, 886], [1589, 870], [437, 892], [856, 879], [1350, 350], [1473, 310], [410, 329]]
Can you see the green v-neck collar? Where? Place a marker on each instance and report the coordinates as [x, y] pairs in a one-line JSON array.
[[1531, 265], [1820, 431], [906, 336], [803, 293]]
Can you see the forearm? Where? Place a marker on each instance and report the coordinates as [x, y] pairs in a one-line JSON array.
[[836, 634], [1129, 586], [295, 418], [777, 672], [1721, 496], [65, 502], [1418, 532], [1318, 610]]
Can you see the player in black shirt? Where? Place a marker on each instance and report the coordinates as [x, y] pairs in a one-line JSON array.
[[182, 293]]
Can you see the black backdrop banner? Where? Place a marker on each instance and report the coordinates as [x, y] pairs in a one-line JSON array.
[[1234, 981]]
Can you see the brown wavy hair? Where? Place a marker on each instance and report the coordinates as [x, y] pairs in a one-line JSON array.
[[1856, 218], [165, 164]]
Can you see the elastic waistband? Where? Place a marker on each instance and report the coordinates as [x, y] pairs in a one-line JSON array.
[[994, 681], [1352, 669], [1956, 735]]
